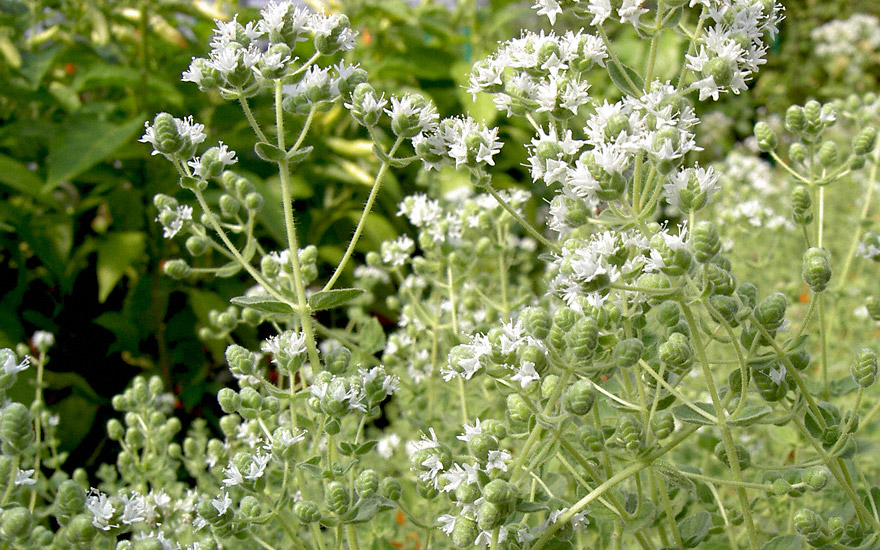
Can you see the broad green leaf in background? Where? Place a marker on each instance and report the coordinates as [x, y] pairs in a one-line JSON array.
[[116, 254], [83, 144], [35, 65], [16, 175]]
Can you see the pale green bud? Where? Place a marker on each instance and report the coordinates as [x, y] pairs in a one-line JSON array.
[[816, 270], [767, 140]]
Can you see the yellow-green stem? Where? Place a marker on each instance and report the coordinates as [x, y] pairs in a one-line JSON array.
[[362, 222]]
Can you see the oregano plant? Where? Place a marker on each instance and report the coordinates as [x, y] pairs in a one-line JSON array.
[[594, 357]]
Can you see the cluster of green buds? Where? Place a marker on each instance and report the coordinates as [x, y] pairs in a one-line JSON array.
[[147, 433]]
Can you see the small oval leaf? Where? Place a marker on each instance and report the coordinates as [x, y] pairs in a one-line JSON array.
[[269, 152], [751, 414], [693, 529], [626, 79], [265, 304], [299, 155], [327, 299], [687, 414]]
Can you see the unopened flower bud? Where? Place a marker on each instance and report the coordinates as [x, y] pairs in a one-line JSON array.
[[797, 152], [591, 439], [229, 206], [14, 523], [865, 140], [337, 360], [307, 511], [16, 429], [579, 397], [767, 140], [336, 497], [229, 400], [816, 270], [229, 424], [721, 69], [500, 492], [536, 321], [176, 269], [518, 409], [816, 477], [480, 445], [490, 516], [795, 119], [367, 483], [676, 353], [390, 489], [813, 115], [584, 337], [627, 352], [663, 424], [565, 318], [253, 201], [167, 138], [828, 154], [801, 205], [864, 369], [81, 531], [197, 245], [464, 532], [629, 434], [807, 522], [770, 312], [873, 305], [69, 500], [705, 241]]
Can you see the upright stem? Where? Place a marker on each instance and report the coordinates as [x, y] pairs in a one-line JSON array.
[[286, 205], [522, 221], [38, 424], [368, 207], [726, 436]]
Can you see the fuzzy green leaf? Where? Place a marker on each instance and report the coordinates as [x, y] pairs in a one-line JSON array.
[[687, 414], [264, 304], [328, 299], [694, 528], [784, 542], [269, 152], [751, 414], [633, 86]]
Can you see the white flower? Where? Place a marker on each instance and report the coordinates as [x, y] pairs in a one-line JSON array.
[[447, 523], [9, 364], [233, 476], [497, 461], [286, 438], [23, 477], [43, 340], [471, 431], [525, 374], [550, 8], [102, 509], [221, 504], [257, 466], [173, 219]]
